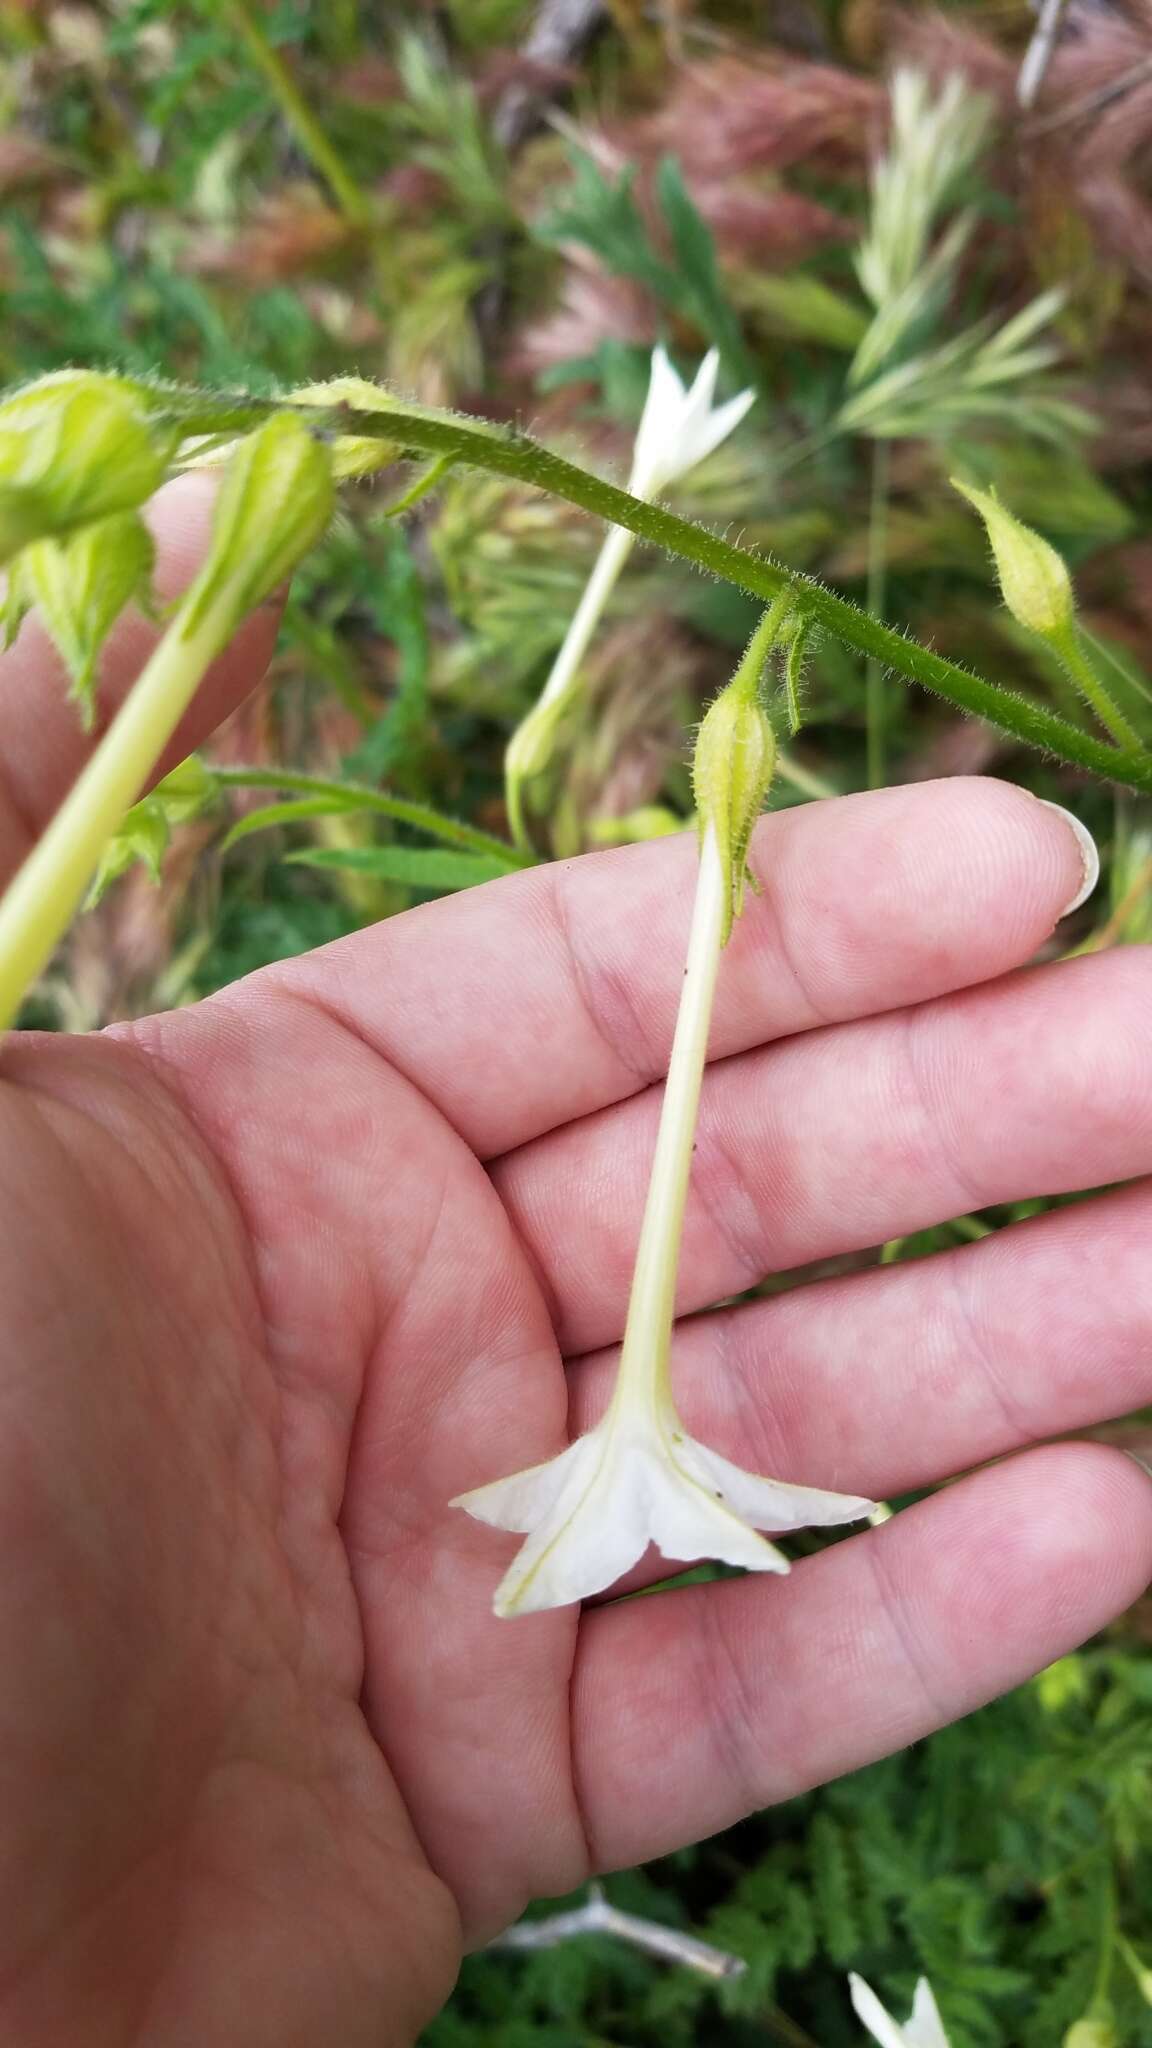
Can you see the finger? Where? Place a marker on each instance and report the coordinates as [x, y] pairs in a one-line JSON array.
[[906, 1374], [547, 996], [832, 1142], [695, 1707], [42, 743]]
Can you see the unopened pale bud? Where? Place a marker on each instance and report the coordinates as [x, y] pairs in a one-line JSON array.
[[187, 789], [1034, 581], [74, 447], [731, 775], [648, 821], [82, 583], [276, 499], [1092, 2033], [1061, 1684], [353, 454]]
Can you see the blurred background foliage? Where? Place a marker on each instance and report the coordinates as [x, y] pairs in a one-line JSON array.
[[501, 205]]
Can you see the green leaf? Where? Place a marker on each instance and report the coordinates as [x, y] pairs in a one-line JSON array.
[[292, 812], [414, 867], [807, 308], [182, 794], [81, 583], [606, 219], [834, 1887], [402, 604], [699, 271], [330, 798]]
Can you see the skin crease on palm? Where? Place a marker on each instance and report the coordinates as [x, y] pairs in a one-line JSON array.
[[284, 1272]]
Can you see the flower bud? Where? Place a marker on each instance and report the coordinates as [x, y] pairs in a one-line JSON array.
[[275, 500], [1092, 2032], [352, 454], [1034, 581], [1061, 1684], [74, 447], [628, 828], [81, 584], [732, 771]]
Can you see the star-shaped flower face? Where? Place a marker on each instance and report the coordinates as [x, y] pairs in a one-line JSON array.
[[679, 426], [925, 2028], [636, 1479]]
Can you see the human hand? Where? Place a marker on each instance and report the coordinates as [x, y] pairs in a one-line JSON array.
[[283, 1273]]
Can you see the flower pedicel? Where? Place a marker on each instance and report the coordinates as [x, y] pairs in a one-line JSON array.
[[638, 1477]]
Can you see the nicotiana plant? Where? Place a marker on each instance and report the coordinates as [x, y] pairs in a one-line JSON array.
[[80, 454], [638, 1477]]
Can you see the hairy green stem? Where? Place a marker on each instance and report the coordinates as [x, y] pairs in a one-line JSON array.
[[875, 707], [506, 452]]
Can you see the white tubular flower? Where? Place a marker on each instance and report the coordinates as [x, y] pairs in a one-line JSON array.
[[638, 1477], [679, 425], [924, 2029], [678, 428]]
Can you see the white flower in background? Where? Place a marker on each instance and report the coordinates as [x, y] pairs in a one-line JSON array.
[[679, 425], [638, 1477], [678, 428], [924, 2029]]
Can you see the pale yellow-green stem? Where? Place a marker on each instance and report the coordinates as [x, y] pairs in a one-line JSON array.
[[598, 589], [529, 748], [47, 891], [644, 1361], [1068, 647]]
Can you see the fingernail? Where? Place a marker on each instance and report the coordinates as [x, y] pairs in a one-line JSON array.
[[1089, 855], [1138, 1460]]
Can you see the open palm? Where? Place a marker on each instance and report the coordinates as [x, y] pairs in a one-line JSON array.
[[283, 1273]]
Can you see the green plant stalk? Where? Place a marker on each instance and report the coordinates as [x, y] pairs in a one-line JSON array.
[[803, 779], [874, 695], [1140, 1970], [298, 114], [46, 892], [354, 796], [505, 452], [1105, 654], [1101, 1999], [1071, 653], [644, 1373]]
